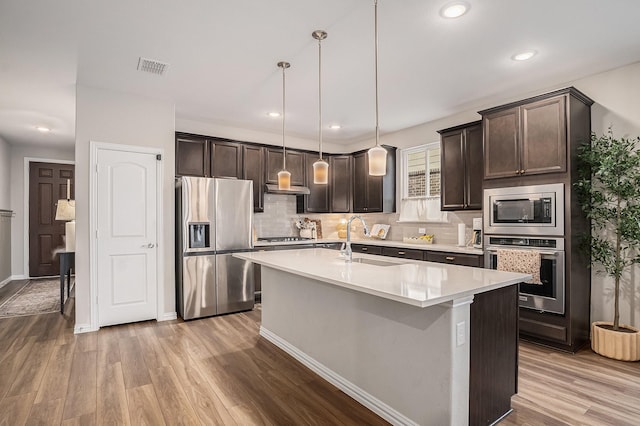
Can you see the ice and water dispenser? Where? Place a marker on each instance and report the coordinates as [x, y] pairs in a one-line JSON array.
[[199, 235]]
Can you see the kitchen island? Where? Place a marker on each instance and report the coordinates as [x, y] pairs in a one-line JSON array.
[[393, 334]]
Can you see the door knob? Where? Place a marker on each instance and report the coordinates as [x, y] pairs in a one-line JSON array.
[[150, 245]]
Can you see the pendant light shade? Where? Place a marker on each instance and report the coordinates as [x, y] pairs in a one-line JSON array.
[[320, 172], [284, 177], [377, 161], [320, 167], [377, 154]]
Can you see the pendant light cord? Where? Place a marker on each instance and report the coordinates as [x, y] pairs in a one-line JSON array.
[[375, 7], [320, 94], [284, 149]]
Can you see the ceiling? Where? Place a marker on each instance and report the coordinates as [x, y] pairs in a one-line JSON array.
[[222, 58]]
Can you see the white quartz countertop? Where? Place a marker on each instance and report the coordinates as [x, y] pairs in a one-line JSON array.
[[415, 283], [385, 243]]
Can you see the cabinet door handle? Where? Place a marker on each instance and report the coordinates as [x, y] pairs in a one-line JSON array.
[[450, 258], [364, 249], [401, 253], [521, 172], [517, 172]]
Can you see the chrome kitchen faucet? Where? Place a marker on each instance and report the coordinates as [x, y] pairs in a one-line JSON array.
[[345, 250]]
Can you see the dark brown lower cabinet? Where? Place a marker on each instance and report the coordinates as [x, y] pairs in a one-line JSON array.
[[403, 253], [361, 248], [455, 258], [493, 366]]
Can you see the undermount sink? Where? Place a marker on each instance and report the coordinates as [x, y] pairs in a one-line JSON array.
[[374, 262]]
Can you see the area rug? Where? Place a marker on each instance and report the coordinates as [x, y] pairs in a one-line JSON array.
[[36, 297]]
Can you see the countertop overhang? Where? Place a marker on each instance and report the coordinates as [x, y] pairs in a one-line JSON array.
[[416, 283]]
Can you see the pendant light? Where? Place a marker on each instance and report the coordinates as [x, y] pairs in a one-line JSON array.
[[320, 167], [377, 154], [284, 177]]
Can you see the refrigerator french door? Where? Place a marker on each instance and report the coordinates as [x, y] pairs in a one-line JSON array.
[[214, 220]]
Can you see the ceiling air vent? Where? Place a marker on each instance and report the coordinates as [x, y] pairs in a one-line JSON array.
[[152, 66]]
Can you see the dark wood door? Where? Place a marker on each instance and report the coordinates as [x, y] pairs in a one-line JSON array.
[[501, 143], [544, 136], [47, 184], [360, 175], [192, 156], [340, 183], [452, 158], [226, 159], [473, 167], [253, 169], [295, 166], [318, 199]]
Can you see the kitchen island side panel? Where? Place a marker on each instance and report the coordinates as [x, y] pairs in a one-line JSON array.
[[404, 356]]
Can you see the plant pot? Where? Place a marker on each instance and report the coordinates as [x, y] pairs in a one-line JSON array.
[[620, 345]]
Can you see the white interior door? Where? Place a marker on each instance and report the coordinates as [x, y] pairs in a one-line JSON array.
[[126, 244]]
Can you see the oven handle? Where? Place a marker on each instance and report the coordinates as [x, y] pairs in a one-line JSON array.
[[546, 253]]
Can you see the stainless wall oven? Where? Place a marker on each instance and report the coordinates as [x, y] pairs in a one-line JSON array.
[[525, 210], [548, 296]]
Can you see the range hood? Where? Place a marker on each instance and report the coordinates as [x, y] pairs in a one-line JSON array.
[[294, 190]]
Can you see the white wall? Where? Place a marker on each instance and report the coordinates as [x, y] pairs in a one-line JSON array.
[[111, 117], [5, 173], [18, 194], [617, 96]]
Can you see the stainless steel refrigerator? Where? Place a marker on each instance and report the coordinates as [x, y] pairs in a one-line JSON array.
[[214, 219]]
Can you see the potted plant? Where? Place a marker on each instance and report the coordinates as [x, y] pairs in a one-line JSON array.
[[608, 189]]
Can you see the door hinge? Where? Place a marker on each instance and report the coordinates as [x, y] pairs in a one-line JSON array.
[[159, 157]]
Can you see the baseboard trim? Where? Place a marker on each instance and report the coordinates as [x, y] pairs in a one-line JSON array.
[[84, 328], [12, 278], [372, 403], [168, 316]]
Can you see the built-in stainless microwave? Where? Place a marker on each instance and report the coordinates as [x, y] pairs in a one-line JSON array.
[[525, 210]]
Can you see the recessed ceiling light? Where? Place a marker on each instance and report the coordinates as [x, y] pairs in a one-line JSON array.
[[523, 56], [273, 114], [334, 126], [455, 9], [43, 129]]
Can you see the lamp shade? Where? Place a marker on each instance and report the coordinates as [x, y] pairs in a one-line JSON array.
[[377, 161], [320, 172], [66, 210], [284, 179]]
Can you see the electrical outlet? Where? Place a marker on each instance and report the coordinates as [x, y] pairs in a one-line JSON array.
[[422, 230], [353, 228], [461, 334]]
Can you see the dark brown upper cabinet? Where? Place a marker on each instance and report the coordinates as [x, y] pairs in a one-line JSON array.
[[374, 194], [334, 197], [340, 183], [529, 137], [226, 159], [192, 156], [253, 169], [318, 199], [461, 167], [295, 166]]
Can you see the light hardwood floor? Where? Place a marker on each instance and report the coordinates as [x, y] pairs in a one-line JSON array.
[[219, 371]]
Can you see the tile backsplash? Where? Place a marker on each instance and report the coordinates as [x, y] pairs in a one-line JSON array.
[[280, 214]]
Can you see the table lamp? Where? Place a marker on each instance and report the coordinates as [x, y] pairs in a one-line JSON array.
[[66, 210]]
